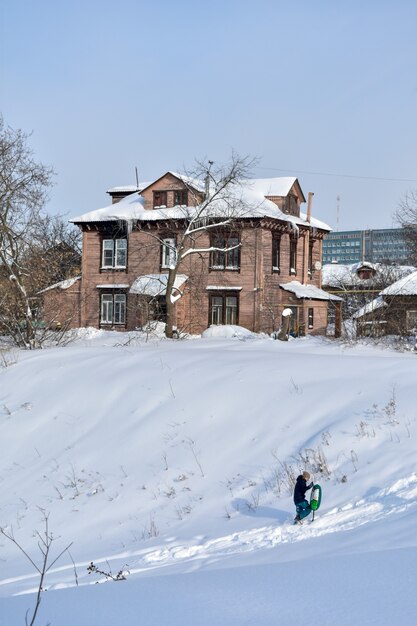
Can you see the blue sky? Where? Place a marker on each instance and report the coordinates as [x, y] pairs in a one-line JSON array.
[[323, 91]]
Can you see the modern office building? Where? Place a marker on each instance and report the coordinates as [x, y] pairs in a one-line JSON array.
[[376, 246]]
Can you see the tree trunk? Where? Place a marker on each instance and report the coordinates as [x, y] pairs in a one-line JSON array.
[[169, 325]]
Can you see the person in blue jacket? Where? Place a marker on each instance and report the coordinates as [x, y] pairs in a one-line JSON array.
[[302, 507]]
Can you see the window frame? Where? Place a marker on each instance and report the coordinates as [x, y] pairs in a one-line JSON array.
[[164, 194], [293, 255], [310, 318], [183, 193], [221, 261], [168, 250], [310, 269], [113, 245], [225, 307], [408, 314], [276, 253], [112, 302]]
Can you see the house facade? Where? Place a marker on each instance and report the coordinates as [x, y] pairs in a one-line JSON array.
[[359, 284], [393, 312], [243, 266]]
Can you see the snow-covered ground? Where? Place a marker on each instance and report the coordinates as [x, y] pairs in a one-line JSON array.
[[172, 461]]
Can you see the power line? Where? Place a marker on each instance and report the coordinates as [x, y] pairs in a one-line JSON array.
[[398, 180]]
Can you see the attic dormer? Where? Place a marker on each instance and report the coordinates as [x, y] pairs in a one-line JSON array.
[[172, 190], [365, 271], [290, 201]]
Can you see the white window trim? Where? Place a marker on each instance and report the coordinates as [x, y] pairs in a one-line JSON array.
[[110, 305], [115, 243], [169, 253]]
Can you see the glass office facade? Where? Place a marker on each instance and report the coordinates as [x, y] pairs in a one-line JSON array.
[[354, 246]]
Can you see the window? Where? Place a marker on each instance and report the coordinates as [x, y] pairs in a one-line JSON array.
[[276, 253], [159, 199], [113, 308], [114, 254], [293, 255], [223, 309], [169, 252], [310, 318], [227, 257], [310, 258], [290, 205], [411, 320], [181, 197]]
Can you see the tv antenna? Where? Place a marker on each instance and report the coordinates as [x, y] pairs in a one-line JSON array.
[[337, 212], [137, 178]]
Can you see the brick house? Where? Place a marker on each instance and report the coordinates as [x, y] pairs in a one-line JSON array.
[[267, 259]]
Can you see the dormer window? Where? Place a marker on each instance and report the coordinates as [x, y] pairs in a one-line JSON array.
[[290, 205], [181, 197], [159, 199]]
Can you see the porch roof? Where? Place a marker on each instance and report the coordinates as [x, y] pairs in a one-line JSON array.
[[308, 292], [370, 307], [155, 284]]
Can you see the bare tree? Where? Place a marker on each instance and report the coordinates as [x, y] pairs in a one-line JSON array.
[[35, 249], [406, 216], [220, 209], [45, 540]]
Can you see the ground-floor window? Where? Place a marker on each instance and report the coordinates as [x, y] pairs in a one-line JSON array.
[[224, 309], [411, 317], [113, 308], [310, 318]]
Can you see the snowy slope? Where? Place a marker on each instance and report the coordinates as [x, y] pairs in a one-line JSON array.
[[172, 461]]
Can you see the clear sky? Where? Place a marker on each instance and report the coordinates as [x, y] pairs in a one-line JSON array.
[[325, 91]]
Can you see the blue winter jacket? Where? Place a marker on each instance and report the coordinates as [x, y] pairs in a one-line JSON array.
[[300, 489]]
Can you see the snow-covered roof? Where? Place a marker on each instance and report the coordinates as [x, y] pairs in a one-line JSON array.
[[223, 288], [279, 186], [63, 284], [308, 291], [370, 307], [155, 284], [406, 286], [334, 275], [246, 199], [127, 188], [112, 286]]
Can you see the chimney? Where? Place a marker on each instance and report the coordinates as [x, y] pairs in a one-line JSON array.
[[309, 203]]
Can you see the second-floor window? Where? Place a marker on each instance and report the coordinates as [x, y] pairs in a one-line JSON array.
[[114, 254], [276, 253], [293, 255], [227, 256], [168, 252], [310, 258]]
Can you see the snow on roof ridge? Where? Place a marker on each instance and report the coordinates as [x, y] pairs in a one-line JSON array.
[[124, 188], [405, 286]]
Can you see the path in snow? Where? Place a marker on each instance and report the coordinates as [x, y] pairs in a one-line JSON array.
[[397, 498]]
